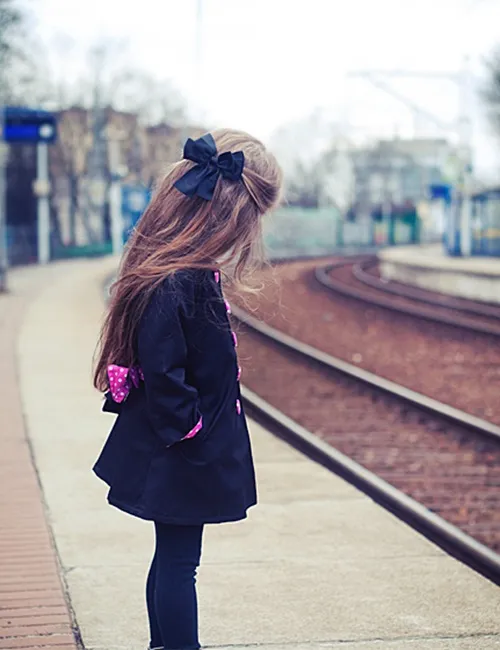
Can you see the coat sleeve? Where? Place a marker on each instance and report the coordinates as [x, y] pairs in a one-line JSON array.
[[172, 404]]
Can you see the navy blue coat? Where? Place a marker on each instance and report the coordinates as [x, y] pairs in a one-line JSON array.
[[186, 351]]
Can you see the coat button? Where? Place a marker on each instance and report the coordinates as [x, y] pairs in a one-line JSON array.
[[238, 406]]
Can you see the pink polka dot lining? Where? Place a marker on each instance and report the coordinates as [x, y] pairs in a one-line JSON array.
[[194, 430], [121, 380]]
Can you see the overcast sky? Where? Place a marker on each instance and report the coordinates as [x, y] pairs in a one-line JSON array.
[[265, 63]]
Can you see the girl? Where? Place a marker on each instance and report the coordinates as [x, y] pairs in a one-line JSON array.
[[179, 452]]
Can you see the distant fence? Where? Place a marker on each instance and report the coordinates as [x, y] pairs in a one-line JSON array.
[[304, 232], [22, 243], [288, 232]]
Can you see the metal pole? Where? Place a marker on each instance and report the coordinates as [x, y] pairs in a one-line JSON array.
[[196, 77], [452, 214], [115, 209], [4, 259], [466, 213], [199, 47], [115, 196], [466, 163], [42, 156]]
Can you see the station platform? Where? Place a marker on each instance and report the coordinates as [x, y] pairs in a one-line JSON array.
[[316, 565], [429, 267]]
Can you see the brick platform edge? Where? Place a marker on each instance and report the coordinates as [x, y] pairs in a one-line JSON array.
[[34, 611]]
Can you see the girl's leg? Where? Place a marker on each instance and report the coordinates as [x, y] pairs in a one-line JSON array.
[[154, 629], [178, 551]]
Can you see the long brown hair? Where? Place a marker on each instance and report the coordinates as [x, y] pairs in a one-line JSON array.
[[176, 232]]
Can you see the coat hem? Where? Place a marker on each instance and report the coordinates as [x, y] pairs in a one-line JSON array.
[[97, 471], [163, 519]]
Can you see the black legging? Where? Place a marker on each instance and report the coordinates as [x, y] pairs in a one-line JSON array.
[[171, 590]]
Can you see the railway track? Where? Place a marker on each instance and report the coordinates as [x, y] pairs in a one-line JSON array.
[[355, 278], [434, 466]]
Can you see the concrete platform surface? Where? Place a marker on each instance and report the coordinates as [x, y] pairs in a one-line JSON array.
[[317, 565], [433, 256], [428, 267]]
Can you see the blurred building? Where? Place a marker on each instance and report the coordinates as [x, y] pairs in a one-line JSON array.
[[359, 180], [93, 149], [398, 171], [337, 173]]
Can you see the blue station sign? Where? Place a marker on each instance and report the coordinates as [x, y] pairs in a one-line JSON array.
[[25, 125]]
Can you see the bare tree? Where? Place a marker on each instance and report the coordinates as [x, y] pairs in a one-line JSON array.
[[11, 22], [303, 187], [69, 158], [21, 57], [155, 101], [307, 150], [105, 118], [109, 113], [112, 82]]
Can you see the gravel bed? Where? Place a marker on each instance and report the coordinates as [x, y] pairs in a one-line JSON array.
[[453, 365], [452, 471]]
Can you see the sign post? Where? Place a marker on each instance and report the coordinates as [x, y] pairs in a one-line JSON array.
[[4, 260], [42, 191]]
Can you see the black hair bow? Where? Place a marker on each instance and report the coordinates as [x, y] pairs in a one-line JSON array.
[[202, 178]]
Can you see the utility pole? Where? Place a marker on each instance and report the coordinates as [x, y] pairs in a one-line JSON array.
[[196, 78], [198, 81]]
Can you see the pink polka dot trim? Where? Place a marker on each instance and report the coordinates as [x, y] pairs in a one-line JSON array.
[[121, 380], [194, 430]]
